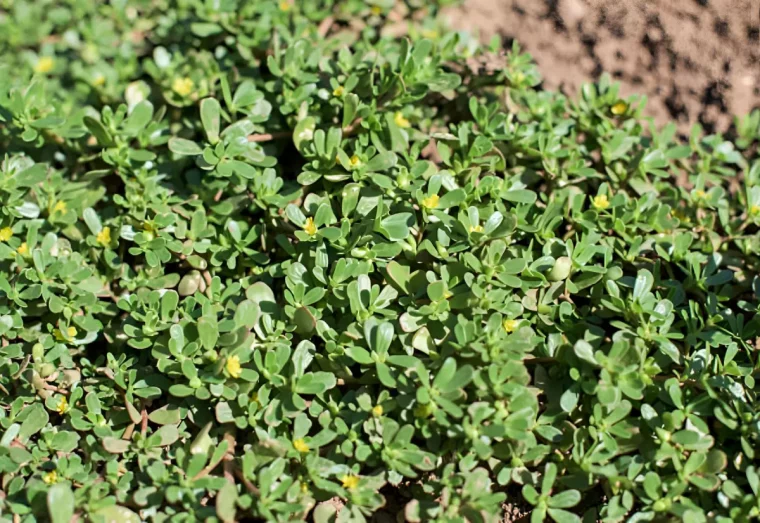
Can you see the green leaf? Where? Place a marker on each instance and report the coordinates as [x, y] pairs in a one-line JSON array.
[[60, 503], [139, 117], [167, 435], [563, 516], [92, 220], [566, 499], [305, 321], [211, 119], [31, 175], [382, 161], [350, 105], [225, 502], [304, 132], [452, 198], [35, 419], [115, 445], [114, 514], [100, 133], [315, 383], [643, 284], [184, 147], [166, 415], [396, 227], [208, 331], [585, 351]]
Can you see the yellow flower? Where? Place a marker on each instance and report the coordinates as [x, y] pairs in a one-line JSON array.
[[285, 6], [60, 206], [63, 404], [233, 366], [6, 233], [699, 193], [104, 236], [71, 331], [183, 86], [310, 227], [377, 411], [601, 202], [23, 249], [339, 91], [619, 108], [375, 10], [350, 481], [476, 228], [44, 65], [510, 325], [355, 161], [399, 120], [50, 477], [431, 202], [430, 33], [300, 445], [99, 80], [304, 487], [680, 214], [754, 210]]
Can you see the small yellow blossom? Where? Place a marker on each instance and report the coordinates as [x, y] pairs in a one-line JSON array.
[[301, 446], [355, 161], [619, 108], [431, 202], [429, 33], [71, 331], [44, 65], [350, 481], [233, 366], [63, 404], [98, 80], [754, 210], [699, 193], [510, 325], [601, 202], [6, 233], [60, 206], [183, 86], [50, 477], [339, 91], [680, 214], [476, 228], [304, 487], [377, 411], [375, 10], [23, 249], [285, 6], [399, 120], [310, 227], [104, 236]]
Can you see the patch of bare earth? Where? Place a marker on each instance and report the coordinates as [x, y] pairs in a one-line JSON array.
[[696, 60]]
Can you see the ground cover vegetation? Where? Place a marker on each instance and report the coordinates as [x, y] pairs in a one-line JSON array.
[[308, 260]]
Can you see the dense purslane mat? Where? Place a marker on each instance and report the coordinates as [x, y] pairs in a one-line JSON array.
[[329, 260]]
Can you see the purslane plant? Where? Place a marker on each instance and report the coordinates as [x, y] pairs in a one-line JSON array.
[[317, 260]]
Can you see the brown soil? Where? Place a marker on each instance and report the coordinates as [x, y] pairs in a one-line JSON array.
[[696, 60]]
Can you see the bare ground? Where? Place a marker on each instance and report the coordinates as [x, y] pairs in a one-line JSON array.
[[696, 60]]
